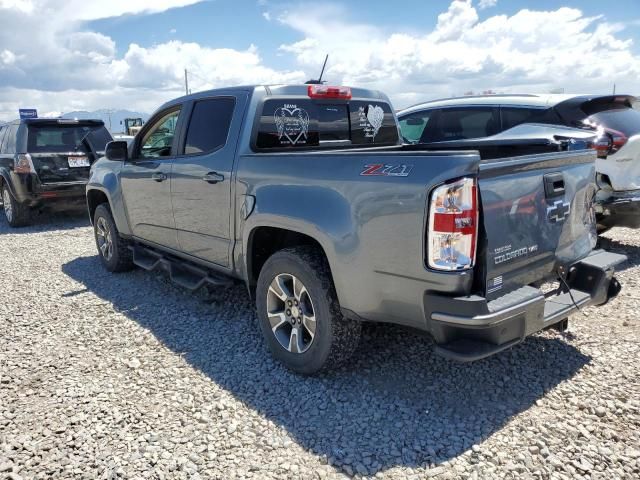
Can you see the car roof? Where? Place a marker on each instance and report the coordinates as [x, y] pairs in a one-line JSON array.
[[528, 100], [56, 121]]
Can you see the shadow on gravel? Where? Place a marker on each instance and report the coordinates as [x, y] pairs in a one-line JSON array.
[[47, 222], [631, 251], [396, 404]]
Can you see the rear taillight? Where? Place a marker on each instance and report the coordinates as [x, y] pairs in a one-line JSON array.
[[325, 91], [453, 225], [23, 164], [609, 141]]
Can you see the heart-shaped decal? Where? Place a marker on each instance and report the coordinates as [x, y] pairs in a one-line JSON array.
[[375, 117], [292, 123]]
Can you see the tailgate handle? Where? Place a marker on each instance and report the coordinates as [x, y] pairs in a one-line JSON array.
[[553, 185]]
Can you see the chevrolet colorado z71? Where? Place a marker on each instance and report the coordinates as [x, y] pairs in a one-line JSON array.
[[307, 194]]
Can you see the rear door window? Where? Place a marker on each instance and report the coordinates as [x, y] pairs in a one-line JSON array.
[[624, 120], [304, 123], [209, 125], [513, 116], [462, 124], [10, 139], [3, 130]]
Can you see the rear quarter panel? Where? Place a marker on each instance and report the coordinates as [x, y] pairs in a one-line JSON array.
[[370, 227]]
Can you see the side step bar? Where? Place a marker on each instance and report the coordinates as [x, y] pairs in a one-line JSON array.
[[180, 272]]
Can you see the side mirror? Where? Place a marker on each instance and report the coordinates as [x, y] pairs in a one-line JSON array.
[[116, 151]]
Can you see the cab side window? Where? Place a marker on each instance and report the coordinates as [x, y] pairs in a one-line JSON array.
[[209, 125], [158, 140]]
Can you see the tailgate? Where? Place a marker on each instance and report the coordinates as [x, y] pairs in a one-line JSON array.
[[62, 167], [538, 215]]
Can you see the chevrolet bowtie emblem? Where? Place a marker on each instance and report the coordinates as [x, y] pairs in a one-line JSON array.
[[559, 211]]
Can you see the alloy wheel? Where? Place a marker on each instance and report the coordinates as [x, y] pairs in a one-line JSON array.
[[105, 240], [291, 313], [6, 201]]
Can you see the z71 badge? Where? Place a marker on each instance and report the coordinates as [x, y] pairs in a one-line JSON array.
[[383, 170]]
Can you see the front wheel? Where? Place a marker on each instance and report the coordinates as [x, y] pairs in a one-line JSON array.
[[114, 251], [17, 214], [299, 313]]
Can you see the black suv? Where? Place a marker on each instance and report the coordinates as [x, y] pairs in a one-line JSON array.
[[45, 163]]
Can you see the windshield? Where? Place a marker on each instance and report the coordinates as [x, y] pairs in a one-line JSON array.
[[624, 120], [67, 138]]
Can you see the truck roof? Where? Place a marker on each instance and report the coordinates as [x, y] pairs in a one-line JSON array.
[[271, 90]]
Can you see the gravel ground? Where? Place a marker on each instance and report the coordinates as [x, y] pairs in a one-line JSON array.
[[128, 376]]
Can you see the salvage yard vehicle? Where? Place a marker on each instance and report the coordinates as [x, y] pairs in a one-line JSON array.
[[44, 163], [307, 194], [611, 117]]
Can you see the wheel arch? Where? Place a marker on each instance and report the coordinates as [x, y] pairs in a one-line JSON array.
[[265, 240], [95, 197]]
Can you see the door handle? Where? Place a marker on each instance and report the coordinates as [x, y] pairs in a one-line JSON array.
[[159, 177], [213, 177]]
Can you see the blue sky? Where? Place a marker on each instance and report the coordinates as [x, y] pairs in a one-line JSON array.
[[238, 24], [84, 54]]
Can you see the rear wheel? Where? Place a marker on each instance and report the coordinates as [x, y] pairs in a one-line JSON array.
[[114, 251], [17, 214], [299, 313]]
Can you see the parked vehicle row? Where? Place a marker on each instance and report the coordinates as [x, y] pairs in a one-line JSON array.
[[309, 196], [612, 119]]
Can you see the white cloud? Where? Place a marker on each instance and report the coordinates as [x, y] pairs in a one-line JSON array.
[[487, 4], [65, 66], [528, 51], [267, 16]]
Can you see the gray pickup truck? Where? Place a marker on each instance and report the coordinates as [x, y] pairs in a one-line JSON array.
[[307, 194]]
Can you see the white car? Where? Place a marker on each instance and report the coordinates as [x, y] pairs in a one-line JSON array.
[[612, 116]]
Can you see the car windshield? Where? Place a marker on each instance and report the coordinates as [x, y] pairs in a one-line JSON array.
[[66, 138], [624, 120]]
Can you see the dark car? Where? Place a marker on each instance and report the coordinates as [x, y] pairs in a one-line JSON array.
[[612, 117], [44, 163]]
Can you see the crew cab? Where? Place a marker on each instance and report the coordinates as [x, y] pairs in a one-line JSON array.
[[482, 119], [44, 163], [307, 194]]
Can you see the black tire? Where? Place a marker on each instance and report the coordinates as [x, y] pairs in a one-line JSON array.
[[336, 337], [16, 214], [120, 258]]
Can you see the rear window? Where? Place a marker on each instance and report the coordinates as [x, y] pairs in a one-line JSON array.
[[65, 138], [513, 116], [304, 123], [624, 120]]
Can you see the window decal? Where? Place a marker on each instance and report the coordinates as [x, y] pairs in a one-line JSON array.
[[371, 119], [292, 123]]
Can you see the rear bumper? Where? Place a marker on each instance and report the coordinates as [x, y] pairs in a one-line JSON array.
[[470, 328], [53, 195], [618, 209]]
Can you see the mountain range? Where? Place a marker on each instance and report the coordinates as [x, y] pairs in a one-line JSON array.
[[113, 119]]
